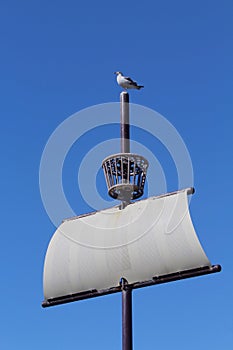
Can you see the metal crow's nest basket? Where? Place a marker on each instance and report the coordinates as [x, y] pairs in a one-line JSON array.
[[125, 175]]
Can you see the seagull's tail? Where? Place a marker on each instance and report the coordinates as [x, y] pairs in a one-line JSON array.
[[139, 87]]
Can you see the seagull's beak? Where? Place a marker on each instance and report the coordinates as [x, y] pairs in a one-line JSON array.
[[115, 72]]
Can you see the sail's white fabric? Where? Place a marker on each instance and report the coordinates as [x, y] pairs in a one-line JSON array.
[[148, 238]]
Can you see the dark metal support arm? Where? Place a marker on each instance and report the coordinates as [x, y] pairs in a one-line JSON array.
[[154, 281]]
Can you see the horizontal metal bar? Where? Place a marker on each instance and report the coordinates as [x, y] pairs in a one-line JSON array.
[[79, 296], [93, 293]]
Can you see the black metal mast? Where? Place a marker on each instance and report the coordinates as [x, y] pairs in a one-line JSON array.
[[127, 333], [127, 328], [125, 133]]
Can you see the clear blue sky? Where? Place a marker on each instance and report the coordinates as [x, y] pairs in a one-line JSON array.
[[58, 57]]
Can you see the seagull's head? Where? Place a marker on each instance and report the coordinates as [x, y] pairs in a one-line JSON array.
[[117, 73]]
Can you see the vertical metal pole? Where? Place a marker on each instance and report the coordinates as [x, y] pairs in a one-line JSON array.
[[125, 142], [127, 333]]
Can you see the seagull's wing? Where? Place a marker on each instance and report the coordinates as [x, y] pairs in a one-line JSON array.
[[130, 81]]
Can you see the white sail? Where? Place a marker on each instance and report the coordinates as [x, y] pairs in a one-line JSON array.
[[148, 238]]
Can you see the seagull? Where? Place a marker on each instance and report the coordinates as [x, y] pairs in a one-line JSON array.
[[126, 82]]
